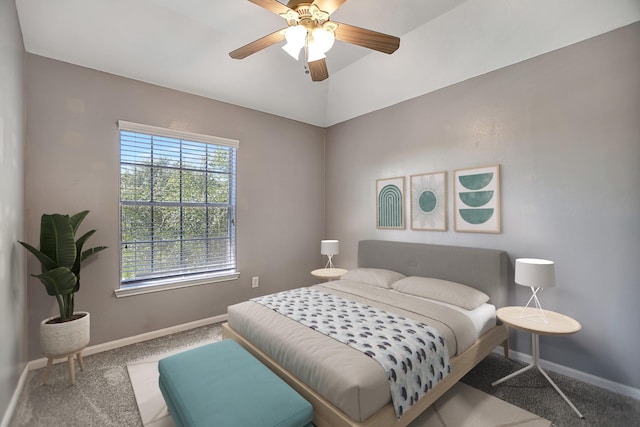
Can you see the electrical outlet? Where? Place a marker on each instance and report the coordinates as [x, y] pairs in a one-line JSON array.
[[255, 281]]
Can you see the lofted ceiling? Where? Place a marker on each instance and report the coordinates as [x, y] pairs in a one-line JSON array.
[[184, 45]]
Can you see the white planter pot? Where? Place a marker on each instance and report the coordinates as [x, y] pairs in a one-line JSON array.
[[60, 339]]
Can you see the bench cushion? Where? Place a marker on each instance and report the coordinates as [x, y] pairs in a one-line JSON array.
[[221, 384]]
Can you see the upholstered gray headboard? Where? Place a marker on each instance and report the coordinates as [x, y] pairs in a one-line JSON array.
[[484, 269]]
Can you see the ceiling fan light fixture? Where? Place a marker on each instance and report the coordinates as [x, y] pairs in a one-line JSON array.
[[296, 37], [293, 51], [314, 53], [317, 14], [322, 39], [309, 27]]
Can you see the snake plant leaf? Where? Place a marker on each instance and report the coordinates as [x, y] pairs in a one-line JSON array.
[[57, 239], [59, 281]]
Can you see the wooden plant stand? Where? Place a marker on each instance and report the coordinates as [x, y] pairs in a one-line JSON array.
[[72, 370]]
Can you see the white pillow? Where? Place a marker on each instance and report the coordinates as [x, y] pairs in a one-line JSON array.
[[373, 276], [442, 290]]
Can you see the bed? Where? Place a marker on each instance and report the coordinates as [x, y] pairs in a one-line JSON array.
[[347, 387]]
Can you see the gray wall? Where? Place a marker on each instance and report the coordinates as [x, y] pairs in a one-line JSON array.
[[565, 128], [72, 163], [13, 326]]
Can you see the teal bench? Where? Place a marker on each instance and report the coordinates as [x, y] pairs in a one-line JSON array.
[[223, 385]]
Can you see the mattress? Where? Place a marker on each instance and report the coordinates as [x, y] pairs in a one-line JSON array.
[[350, 380]]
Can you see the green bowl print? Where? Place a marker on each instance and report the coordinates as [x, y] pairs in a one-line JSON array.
[[477, 181], [475, 199], [476, 216]]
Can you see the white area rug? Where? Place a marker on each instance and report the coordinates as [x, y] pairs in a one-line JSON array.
[[465, 406], [461, 406], [144, 380]]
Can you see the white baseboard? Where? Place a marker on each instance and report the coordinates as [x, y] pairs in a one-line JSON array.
[[111, 345], [14, 399], [575, 374], [41, 363]]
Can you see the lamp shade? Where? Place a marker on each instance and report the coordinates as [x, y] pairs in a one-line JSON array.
[[296, 37], [323, 39], [537, 273], [314, 53], [292, 50], [329, 247]]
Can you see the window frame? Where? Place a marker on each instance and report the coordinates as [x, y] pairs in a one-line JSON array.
[[144, 286]]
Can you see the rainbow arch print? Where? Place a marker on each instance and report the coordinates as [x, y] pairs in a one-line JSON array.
[[477, 199], [390, 203]]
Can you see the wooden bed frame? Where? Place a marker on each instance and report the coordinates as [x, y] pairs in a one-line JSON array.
[[485, 269]]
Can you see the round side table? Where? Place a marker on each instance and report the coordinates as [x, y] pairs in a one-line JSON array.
[[329, 273], [528, 319]]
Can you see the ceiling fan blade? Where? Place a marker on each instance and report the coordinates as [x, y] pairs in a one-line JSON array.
[[272, 5], [329, 6], [367, 38], [318, 70], [257, 45]]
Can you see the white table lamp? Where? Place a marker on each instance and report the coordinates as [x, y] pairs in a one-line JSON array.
[[329, 248], [537, 274]]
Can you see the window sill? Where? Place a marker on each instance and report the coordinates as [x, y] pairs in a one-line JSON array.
[[167, 285]]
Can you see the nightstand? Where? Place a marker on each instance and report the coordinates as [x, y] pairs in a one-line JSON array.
[[329, 273], [525, 319]]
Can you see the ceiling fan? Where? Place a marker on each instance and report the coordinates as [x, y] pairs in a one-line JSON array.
[[309, 27]]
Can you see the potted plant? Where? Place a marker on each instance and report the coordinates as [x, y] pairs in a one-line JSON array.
[[61, 257]]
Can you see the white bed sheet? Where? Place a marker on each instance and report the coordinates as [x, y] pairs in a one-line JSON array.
[[483, 317]]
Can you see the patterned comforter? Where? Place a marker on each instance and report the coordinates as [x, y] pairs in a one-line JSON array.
[[414, 355]]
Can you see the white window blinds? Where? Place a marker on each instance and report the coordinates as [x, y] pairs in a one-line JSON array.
[[177, 204]]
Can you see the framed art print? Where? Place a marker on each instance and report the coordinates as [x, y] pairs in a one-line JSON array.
[[477, 199], [390, 203], [429, 201]]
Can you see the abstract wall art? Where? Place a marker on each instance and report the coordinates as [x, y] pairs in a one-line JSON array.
[[429, 201], [390, 203], [477, 199]]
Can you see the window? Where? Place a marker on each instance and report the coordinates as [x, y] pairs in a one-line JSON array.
[[177, 208]]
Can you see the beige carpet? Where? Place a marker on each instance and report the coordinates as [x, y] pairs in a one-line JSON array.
[[462, 406]]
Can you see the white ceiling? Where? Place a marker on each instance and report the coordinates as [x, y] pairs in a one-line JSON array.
[[184, 45]]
